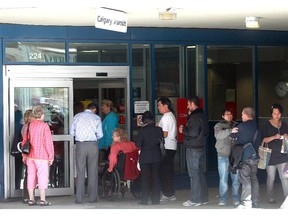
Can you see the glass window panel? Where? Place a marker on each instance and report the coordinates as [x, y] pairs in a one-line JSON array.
[[141, 78], [273, 69], [35, 52], [189, 83], [55, 102], [98, 52], [229, 80], [167, 69]]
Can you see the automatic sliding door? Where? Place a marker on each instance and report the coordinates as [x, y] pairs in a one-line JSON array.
[[56, 97]]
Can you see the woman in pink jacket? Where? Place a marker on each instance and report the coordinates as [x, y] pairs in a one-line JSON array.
[[41, 155]]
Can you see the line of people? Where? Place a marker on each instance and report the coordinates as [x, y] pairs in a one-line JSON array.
[[88, 130], [228, 133]]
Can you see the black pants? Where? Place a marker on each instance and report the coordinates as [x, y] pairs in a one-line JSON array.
[[150, 182], [167, 173]]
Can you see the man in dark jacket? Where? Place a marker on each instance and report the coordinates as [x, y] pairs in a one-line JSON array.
[[245, 133], [195, 134]]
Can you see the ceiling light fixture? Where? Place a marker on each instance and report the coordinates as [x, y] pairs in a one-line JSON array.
[[252, 22], [168, 14]]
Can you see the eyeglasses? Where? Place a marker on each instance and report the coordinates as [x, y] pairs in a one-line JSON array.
[[228, 114]]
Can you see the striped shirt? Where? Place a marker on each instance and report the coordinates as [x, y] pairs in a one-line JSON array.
[[86, 126], [42, 147]]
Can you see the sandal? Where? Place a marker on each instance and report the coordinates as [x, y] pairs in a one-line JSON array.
[[32, 202], [44, 203]]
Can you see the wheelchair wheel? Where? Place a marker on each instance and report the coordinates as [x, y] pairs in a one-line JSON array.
[[111, 184], [135, 188]]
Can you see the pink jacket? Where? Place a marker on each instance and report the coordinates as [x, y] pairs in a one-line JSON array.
[[42, 147]]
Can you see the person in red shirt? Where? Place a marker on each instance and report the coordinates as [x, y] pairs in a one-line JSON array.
[[41, 155], [120, 144]]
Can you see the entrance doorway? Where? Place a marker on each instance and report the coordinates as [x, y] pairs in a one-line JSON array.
[[96, 91], [56, 89]]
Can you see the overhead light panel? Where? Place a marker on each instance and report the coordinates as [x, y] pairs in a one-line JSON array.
[[252, 22], [168, 14]]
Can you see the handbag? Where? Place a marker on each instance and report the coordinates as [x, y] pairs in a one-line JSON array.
[[284, 147], [25, 149], [265, 154]]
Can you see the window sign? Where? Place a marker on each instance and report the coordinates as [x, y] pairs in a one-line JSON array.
[[141, 106]]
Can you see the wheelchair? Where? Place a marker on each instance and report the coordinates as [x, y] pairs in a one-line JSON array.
[[111, 184]]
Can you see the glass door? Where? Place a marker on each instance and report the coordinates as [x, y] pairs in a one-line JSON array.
[[56, 96]]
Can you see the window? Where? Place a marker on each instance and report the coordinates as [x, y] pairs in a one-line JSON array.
[[98, 52], [229, 80], [35, 52]]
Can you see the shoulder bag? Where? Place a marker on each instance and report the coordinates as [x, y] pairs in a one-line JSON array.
[[284, 147], [264, 155], [248, 149]]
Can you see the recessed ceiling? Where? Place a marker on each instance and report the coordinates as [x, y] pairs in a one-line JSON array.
[[221, 14]]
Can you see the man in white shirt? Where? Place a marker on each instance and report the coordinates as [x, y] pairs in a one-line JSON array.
[[169, 127]]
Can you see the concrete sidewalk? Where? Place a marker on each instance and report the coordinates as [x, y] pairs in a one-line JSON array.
[[129, 202]]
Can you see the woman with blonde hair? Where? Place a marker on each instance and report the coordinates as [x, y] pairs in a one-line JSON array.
[[27, 120]]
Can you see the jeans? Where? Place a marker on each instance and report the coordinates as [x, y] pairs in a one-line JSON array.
[[198, 183], [223, 170], [271, 172], [249, 181]]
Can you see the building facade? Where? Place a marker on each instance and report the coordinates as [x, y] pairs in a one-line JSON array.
[[58, 66]]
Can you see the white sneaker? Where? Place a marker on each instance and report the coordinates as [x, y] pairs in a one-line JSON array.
[[222, 203], [166, 199], [188, 203]]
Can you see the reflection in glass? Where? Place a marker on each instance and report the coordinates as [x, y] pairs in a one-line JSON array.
[[35, 52], [98, 52], [273, 68], [55, 102], [19, 166]]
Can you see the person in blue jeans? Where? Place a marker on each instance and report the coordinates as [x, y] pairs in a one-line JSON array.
[[195, 134], [223, 146]]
